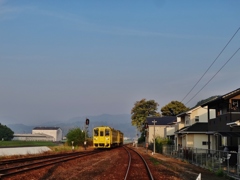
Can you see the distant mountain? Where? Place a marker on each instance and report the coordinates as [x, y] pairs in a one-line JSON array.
[[120, 122], [20, 128]]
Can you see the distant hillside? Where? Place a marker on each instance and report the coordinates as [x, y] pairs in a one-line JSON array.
[[120, 122], [20, 128], [206, 100]]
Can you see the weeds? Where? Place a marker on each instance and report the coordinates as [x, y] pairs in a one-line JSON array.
[[219, 173], [154, 161]]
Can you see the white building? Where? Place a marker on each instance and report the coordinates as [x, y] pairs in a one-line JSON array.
[[55, 132], [157, 125]]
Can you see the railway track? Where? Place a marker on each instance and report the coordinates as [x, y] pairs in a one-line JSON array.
[[137, 166], [17, 166]]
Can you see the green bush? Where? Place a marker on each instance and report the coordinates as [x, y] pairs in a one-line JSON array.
[[141, 139], [220, 173], [75, 137], [160, 142], [6, 134]]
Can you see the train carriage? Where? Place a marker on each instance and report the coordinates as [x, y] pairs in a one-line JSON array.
[[120, 138], [107, 137]]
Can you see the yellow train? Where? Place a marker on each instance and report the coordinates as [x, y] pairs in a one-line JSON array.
[[107, 137]]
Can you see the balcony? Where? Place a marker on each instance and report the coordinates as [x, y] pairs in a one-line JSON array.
[[220, 122]]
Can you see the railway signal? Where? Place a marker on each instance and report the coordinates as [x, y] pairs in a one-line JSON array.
[[87, 121], [86, 130]]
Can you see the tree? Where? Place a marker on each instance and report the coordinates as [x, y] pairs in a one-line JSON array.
[[76, 135], [6, 133], [173, 108], [141, 110]]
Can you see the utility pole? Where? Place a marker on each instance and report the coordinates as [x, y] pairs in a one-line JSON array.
[[154, 145], [146, 134]]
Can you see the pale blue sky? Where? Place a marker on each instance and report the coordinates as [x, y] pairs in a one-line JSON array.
[[63, 59]]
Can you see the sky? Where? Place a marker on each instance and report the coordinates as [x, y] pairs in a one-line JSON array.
[[64, 59]]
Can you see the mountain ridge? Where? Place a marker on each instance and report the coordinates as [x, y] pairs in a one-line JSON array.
[[120, 122]]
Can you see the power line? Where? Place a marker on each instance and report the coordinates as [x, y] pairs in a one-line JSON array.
[[214, 75], [211, 64]]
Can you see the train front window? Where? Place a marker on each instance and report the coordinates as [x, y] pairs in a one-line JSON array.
[[101, 133], [106, 132], [95, 132]]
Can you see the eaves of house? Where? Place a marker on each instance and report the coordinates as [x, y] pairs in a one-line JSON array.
[[197, 128], [224, 97]]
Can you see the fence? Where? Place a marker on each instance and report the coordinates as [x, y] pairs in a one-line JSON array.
[[217, 161]]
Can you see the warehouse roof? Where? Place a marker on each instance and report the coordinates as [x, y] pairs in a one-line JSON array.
[[46, 128]]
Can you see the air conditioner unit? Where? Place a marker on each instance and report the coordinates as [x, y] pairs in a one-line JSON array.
[[236, 123]]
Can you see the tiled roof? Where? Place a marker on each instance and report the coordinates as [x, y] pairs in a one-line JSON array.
[[165, 120], [197, 127], [223, 97], [230, 94]]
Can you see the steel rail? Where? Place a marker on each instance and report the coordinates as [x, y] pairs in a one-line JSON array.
[[12, 161], [129, 163], [40, 164], [145, 163]]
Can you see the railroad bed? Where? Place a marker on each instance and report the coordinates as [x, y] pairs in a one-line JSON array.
[[112, 164]]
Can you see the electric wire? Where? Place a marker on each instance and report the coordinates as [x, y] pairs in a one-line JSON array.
[[214, 75], [211, 64]]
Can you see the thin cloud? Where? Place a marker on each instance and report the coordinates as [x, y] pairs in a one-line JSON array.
[[83, 24], [10, 12]]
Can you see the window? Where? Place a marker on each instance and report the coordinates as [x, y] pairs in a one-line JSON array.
[[196, 118], [205, 143], [95, 132], [234, 104], [101, 133], [224, 141], [187, 119], [220, 112], [106, 132]]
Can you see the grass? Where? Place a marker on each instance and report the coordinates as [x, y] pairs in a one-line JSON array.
[[25, 143], [155, 161], [164, 163]]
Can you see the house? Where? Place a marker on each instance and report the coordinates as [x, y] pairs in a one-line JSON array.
[[157, 125], [169, 130], [55, 132], [224, 128], [191, 128], [194, 136]]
